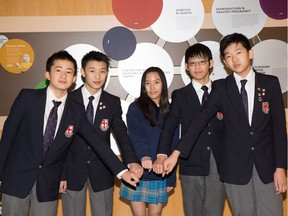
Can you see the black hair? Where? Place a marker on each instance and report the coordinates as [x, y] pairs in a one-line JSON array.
[[147, 105], [60, 55], [234, 38], [198, 50], [95, 56]]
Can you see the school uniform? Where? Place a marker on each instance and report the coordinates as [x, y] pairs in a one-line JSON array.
[[22, 162], [257, 143], [144, 137], [202, 190], [84, 166]]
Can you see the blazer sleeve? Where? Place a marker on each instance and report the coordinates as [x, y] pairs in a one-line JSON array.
[[279, 125], [99, 145], [171, 179], [171, 123], [211, 107], [136, 130], [10, 128], [120, 131]]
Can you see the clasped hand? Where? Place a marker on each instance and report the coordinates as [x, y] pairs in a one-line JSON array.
[[164, 165]]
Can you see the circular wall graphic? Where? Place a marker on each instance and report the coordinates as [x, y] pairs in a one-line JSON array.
[[119, 43], [275, 64], [244, 16], [276, 10], [180, 20], [16, 56], [137, 14]]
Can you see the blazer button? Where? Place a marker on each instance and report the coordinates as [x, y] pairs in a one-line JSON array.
[[209, 133], [40, 166], [251, 133], [252, 148], [208, 148], [89, 147], [88, 162]]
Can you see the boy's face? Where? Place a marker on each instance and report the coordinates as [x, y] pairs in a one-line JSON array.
[[95, 74], [237, 58], [61, 76], [198, 69]]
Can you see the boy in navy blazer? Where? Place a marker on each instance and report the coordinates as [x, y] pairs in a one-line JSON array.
[[83, 166], [202, 191], [254, 151], [30, 172]]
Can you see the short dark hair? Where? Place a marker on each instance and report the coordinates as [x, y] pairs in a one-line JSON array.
[[198, 50], [60, 55], [234, 38], [95, 56]]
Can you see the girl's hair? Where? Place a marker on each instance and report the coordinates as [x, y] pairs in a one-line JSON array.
[[147, 105]]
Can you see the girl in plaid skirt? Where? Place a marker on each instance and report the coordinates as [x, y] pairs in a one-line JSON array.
[[145, 118]]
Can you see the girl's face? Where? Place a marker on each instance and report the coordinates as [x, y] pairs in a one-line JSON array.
[[153, 86]]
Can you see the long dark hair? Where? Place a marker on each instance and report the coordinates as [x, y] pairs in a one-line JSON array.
[[147, 105]]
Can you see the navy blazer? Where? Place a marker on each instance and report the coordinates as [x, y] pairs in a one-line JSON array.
[[22, 163], [185, 106], [263, 144], [145, 139], [83, 163]]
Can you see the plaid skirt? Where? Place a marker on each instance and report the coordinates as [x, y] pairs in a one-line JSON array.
[[146, 191]]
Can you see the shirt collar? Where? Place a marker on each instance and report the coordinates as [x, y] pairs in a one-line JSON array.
[[51, 97], [87, 94], [250, 76], [197, 86]]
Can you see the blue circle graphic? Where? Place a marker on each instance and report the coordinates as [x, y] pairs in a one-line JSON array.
[[119, 43]]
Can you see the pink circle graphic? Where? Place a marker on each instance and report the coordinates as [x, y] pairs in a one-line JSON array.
[[137, 14]]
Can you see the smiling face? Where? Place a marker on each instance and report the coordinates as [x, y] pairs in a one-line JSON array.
[[61, 77], [198, 69], [95, 73], [153, 86], [237, 58]]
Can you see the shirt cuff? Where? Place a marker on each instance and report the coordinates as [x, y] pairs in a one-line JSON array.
[[162, 155], [119, 175], [146, 158]]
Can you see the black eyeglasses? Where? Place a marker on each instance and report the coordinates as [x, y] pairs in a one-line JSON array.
[[194, 63]]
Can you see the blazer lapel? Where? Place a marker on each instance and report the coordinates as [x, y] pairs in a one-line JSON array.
[[235, 97], [191, 98], [257, 99], [40, 107], [66, 126], [101, 113]]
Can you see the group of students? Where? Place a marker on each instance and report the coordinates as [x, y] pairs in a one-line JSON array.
[[229, 144]]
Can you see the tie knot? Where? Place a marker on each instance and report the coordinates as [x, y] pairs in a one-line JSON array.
[[91, 98], [204, 88], [56, 103], [243, 82]]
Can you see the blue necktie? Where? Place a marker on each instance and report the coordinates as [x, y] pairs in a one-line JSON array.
[[244, 95], [90, 110], [50, 127], [205, 94]]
